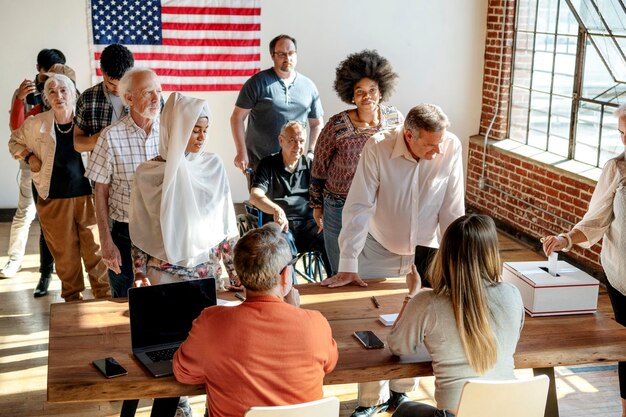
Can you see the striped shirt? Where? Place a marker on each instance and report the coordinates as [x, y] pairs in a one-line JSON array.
[[120, 149]]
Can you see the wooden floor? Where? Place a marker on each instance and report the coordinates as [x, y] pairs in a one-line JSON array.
[[589, 390]]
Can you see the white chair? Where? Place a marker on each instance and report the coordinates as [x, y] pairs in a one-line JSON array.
[[326, 407], [515, 398]]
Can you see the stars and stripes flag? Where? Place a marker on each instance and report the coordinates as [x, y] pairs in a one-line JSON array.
[[193, 45]]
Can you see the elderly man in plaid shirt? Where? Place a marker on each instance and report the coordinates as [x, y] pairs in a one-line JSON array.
[[119, 150]]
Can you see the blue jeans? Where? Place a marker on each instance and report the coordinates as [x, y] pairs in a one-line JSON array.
[[120, 283], [417, 409], [333, 209]]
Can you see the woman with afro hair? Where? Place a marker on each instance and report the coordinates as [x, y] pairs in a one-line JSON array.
[[363, 79]]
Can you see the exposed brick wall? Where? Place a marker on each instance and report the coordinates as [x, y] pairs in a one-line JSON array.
[[563, 196], [495, 19]]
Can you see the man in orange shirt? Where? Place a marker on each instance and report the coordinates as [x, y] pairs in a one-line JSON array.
[[266, 351]]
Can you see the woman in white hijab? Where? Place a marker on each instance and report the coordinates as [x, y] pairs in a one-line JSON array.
[[182, 220]]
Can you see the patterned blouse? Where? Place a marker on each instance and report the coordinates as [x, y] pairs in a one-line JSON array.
[[338, 151], [210, 269]]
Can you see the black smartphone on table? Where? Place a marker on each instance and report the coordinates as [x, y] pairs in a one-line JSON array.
[[369, 339], [109, 367]]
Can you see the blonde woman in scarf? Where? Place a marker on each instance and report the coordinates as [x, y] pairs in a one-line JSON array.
[[182, 220]]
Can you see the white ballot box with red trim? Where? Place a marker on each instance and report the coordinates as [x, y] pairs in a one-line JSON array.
[[572, 291]]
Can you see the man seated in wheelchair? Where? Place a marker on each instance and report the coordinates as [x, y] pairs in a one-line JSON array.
[[280, 188]]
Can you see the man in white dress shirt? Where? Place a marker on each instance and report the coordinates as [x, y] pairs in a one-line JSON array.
[[407, 189]]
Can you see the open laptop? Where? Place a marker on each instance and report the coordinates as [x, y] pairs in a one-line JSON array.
[[161, 318]]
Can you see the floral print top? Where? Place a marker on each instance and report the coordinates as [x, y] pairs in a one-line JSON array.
[[210, 269]]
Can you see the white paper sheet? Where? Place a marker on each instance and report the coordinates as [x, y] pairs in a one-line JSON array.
[[552, 263]]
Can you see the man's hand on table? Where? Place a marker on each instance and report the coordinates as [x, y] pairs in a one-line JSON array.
[[343, 278]]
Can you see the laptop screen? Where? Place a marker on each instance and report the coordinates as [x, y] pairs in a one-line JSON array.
[[164, 313]]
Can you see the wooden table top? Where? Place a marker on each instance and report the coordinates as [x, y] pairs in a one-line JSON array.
[[83, 331]]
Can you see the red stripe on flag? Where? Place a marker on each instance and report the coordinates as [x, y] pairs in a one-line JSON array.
[[144, 56], [201, 87], [211, 42], [239, 11], [212, 26], [205, 72], [172, 72]]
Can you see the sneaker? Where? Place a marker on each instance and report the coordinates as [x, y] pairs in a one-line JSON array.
[[11, 268]]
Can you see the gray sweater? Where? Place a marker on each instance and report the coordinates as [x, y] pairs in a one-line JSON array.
[[429, 320]]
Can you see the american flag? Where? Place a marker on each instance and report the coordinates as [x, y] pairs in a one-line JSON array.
[[193, 45]]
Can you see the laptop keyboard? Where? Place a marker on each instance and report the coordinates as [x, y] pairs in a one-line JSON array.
[[162, 355]]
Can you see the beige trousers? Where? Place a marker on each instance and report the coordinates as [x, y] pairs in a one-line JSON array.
[[377, 262]]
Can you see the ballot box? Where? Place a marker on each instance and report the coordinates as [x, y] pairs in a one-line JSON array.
[[572, 291]]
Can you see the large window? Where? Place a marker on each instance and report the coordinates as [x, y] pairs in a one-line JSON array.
[[569, 76]]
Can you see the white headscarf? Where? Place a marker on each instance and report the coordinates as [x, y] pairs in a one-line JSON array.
[[182, 208]]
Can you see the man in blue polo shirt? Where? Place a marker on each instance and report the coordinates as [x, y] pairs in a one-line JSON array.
[[280, 188], [269, 99]]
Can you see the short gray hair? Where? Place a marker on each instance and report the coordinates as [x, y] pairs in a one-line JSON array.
[[128, 79], [620, 112], [54, 79], [428, 117], [259, 257], [291, 123]]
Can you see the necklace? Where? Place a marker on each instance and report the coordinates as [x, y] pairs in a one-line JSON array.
[[69, 129]]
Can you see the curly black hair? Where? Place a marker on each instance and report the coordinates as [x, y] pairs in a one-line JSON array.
[[365, 64], [115, 60]]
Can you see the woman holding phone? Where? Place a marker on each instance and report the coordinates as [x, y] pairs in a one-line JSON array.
[[469, 322]]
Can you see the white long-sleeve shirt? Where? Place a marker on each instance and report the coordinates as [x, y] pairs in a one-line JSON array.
[[600, 213], [401, 202]]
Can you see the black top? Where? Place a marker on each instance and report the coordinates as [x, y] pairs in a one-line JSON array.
[[290, 190], [68, 173]]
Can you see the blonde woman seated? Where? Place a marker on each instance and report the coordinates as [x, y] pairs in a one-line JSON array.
[[469, 322], [182, 220]]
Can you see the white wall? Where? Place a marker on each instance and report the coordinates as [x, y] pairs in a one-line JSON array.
[[435, 46]]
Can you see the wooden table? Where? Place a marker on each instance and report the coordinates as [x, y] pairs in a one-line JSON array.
[[83, 331]]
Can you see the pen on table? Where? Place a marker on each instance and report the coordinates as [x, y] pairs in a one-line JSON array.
[[375, 301], [240, 297]]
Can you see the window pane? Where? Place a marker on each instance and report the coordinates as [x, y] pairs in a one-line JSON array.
[[539, 105], [612, 55], [614, 15], [526, 11], [559, 125], [560, 116], [567, 23], [611, 145], [546, 21], [520, 101], [597, 79], [587, 133], [559, 145]]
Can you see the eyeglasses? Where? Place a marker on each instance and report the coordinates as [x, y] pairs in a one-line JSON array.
[[292, 262], [283, 55]]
